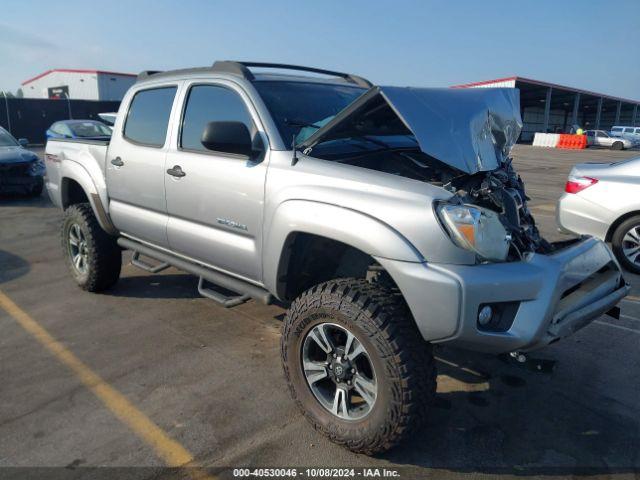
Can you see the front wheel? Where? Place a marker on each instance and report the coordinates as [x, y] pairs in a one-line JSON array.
[[356, 365], [92, 256], [625, 243]]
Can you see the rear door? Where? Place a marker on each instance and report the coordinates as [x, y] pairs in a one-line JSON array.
[[215, 209], [603, 139], [135, 165]]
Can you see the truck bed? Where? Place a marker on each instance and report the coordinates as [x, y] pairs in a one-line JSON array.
[[82, 160]]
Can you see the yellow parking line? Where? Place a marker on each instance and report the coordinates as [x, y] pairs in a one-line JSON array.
[[169, 450]]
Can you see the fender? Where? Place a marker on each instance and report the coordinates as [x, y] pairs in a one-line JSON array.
[[351, 227], [73, 170]]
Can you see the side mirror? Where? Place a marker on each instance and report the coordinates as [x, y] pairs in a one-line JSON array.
[[23, 142], [227, 137]]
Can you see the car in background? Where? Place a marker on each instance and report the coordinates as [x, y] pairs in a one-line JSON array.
[[109, 118], [21, 171], [600, 138], [628, 132], [603, 200], [79, 130]]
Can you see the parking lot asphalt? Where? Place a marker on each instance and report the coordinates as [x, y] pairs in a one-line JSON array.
[[86, 379]]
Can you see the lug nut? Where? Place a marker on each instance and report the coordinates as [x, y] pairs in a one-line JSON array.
[[348, 382], [338, 380], [334, 355], [330, 367], [353, 370]]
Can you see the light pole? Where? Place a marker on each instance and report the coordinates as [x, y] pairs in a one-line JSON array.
[[6, 105], [68, 104]]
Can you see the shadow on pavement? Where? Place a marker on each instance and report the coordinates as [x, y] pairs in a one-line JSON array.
[[21, 200], [168, 285], [12, 266], [517, 421]]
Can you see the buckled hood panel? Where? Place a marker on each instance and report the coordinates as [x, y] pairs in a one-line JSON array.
[[471, 130]]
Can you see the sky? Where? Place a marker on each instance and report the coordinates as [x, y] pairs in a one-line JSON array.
[[586, 44]]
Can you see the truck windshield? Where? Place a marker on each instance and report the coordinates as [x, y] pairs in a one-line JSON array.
[[300, 108], [7, 140]]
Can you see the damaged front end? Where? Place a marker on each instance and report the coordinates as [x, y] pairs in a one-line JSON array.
[[502, 191], [459, 140]]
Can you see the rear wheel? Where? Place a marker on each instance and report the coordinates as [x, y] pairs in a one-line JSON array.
[[92, 256], [626, 244], [356, 364], [617, 146]]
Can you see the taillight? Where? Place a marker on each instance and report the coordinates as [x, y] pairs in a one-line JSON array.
[[577, 184]]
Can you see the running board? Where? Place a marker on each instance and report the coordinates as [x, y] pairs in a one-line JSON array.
[[147, 267], [242, 287], [224, 300]]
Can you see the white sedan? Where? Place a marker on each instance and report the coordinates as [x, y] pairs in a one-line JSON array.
[[601, 138], [603, 200]]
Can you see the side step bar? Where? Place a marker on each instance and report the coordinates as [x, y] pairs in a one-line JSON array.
[[245, 290]]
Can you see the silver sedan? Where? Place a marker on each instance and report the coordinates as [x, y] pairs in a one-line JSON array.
[[603, 200]]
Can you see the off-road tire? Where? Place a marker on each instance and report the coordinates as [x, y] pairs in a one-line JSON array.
[[617, 239], [104, 257], [403, 361], [617, 146]]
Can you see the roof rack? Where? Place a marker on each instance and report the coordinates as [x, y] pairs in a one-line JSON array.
[[147, 73], [242, 69]]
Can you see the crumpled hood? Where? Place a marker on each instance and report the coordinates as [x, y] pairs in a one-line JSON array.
[[471, 129], [16, 155]]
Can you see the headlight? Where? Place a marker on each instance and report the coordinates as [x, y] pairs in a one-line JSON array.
[[476, 229], [37, 168]]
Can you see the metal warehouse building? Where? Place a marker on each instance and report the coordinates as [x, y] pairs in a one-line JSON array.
[[79, 85], [547, 107]]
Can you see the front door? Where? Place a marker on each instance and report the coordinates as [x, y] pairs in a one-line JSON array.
[[135, 170], [215, 201]]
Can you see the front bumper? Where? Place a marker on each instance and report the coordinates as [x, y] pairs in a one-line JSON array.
[[19, 184], [20, 176], [553, 296]]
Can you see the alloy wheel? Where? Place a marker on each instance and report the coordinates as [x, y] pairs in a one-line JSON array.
[[631, 245], [78, 251], [339, 371]]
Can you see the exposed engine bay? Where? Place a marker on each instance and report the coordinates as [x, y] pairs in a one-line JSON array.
[[501, 190]]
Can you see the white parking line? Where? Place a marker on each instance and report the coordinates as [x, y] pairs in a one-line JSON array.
[[617, 326], [630, 318]]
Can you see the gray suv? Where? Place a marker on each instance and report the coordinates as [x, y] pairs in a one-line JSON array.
[[387, 219]]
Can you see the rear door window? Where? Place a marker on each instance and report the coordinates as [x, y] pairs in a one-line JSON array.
[[148, 116], [628, 130]]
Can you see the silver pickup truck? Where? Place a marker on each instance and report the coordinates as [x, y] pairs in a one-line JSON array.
[[387, 219]]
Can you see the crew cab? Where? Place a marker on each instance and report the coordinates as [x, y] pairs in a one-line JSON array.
[[387, 219]]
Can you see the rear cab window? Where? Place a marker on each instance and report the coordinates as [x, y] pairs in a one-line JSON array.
[[148, 116]]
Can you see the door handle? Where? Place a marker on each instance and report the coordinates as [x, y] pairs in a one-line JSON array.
[[176, 171], [117, 162]]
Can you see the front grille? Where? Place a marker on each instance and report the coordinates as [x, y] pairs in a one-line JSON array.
[[14, 170]]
